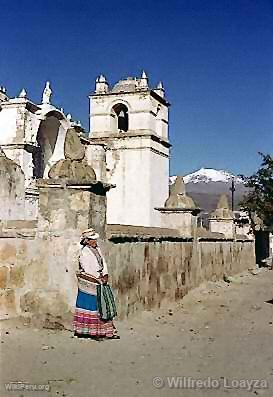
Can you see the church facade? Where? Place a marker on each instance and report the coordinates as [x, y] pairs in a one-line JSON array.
[[127, 144]]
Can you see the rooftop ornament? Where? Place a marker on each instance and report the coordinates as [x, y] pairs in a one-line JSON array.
[[46, 94], [178, 198], [222, 211], [23, 94]]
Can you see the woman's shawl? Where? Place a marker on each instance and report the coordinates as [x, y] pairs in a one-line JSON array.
[[106, 302], [92, 262]]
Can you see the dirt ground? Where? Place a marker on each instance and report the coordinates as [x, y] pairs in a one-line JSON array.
[[220, 333]]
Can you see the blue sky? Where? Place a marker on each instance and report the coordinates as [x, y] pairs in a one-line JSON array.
[[215, 58]]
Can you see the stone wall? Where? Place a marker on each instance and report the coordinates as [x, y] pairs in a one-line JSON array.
[[37, 273], [71, 207], [37, 276], [146, 273]]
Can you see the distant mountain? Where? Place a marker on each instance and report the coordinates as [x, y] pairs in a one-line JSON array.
[[206, 185], [208, 175]]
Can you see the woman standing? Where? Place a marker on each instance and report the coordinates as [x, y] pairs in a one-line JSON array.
[[93, 272]]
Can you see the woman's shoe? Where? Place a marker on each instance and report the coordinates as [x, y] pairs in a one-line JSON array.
[[113, 337], [87, 336]]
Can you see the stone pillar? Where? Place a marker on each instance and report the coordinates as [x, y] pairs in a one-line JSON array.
[[180, 211], [221, 220], [16, 121], [69, 207], [72, 199], [12, 189]]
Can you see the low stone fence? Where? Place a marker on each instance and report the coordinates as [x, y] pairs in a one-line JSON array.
[[146, 274], [37, 272]]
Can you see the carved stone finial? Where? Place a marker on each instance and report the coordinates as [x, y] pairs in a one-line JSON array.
[[178, 187], [74, 167], [73, 148], [160, 86], [101, 85], [23, 94], [178, 197], [69, 117], [160, 89], [102, 79], [222, 211], [223, 202], [143, 81], [46, 94], [144, 75]]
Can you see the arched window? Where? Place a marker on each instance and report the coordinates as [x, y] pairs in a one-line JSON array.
[[46, 140], [120, 112]]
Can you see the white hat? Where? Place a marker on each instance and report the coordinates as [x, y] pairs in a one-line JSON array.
[[90, 234]]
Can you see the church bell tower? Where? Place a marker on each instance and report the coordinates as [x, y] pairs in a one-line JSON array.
[[132, 120]]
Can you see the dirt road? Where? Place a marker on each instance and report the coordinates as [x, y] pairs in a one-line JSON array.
[[220, 333]]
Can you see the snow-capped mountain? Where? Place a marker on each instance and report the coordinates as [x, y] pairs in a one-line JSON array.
[[209, 175], [207, 184]]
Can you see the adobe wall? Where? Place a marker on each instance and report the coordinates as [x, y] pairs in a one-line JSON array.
[[145, 274], [37, 273]]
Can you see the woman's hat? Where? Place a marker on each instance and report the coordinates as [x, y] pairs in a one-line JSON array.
[[90, 234]]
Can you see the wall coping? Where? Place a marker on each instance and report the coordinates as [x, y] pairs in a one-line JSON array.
[[68, 184], [122, 238], [28, 235], [194, 211]]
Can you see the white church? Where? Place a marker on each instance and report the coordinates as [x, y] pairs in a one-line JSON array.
[[127, 144]]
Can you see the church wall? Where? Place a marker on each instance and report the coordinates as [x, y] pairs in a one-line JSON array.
[[23, 158], [159, 185], [37, 274], [129, 202], [141, 121], [8, 119], [141, 178], [96, 157], [101, 123], [18, 124]]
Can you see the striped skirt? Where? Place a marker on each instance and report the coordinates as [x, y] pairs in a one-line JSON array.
[[87, 321]]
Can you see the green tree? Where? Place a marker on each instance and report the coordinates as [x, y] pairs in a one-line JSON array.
[[259, 200]]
